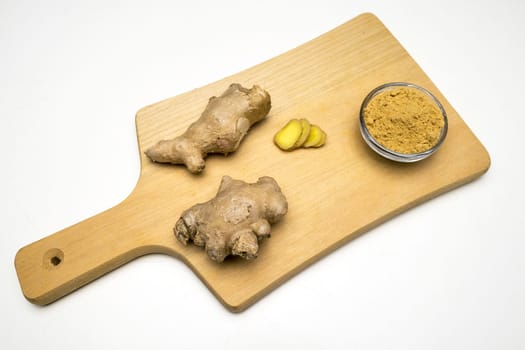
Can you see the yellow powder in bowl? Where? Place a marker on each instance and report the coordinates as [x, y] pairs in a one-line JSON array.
[[404, 120]]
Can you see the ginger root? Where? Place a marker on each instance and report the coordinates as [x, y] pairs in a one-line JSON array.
[[235, 220], [299, 133], [220, 128]]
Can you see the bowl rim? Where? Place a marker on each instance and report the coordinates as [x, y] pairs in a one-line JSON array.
[[386, 152]]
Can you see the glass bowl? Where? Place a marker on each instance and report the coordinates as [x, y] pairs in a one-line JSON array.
[[388, 153]]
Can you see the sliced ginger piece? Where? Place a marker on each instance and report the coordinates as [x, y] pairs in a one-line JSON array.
[[287, 137], [316, 138], [322, 141], [299, 133], [305, 124]]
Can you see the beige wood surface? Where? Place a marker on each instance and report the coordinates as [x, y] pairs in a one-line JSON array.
[[335, 193]]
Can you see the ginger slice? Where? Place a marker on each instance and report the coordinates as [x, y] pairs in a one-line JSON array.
[[316, 138], [287, 137], [299, 133], [322, 141], [305, 124]]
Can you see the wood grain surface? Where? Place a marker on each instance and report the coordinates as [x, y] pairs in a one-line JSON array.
[[335, 193]]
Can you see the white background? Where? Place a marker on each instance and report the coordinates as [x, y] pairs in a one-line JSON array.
[[449, 274]]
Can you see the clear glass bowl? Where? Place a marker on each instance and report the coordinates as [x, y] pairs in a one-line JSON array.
[[386, 152]]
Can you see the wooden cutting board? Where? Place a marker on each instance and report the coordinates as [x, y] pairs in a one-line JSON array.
[[334, 193]]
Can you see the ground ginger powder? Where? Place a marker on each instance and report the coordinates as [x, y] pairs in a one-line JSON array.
[[404, 120]]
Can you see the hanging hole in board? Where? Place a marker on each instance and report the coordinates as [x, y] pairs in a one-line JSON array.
[[53, 258]]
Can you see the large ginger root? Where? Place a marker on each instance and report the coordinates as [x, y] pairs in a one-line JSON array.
[[235, 220], [220, 128]]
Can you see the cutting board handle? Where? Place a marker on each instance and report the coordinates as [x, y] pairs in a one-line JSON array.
[[66, 260]]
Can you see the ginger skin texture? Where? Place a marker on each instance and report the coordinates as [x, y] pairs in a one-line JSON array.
[[235, 220], [220, 128]]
